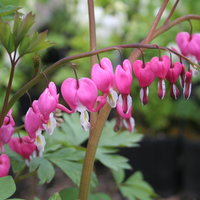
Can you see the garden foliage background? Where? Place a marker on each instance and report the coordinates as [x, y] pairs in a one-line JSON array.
[[118, 22]]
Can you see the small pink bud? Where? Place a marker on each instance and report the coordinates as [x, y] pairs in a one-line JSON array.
[[4, 165], [24, 146], [9, 119], [6, 132]]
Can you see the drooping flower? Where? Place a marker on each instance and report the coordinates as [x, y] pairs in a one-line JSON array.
[[103, 76], [6, 130], [123, 81], [41, 112], [4, 165], [172, 76], [160, 67], [145, 77], [82, 96], [189, 44], [48, 101], [24, 146], [33, 115]]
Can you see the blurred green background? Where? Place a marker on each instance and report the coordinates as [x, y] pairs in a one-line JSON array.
[[118, 22]]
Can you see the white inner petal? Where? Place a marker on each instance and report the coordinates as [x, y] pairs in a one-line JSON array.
[[132, 122], [141, 95], [112, 98], [51, 125], [162, 87], [120, 101], [40, 142], [84, 118], [174, 90], [190, 89], [129, 101]]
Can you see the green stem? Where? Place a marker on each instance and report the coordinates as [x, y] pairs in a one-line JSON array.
[[171, 12], [135, 54], [63, 61], [92, 30], [179, 20], [5, 103], [91, 151]]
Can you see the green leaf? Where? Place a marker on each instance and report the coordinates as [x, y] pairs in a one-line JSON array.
[[99, 196], [69, 193], [114, 162], [72, 129], [7, 187], [118, 175], [110, 138], [34, 43], [45, 170], [72, 194], [68, 154], [21, 26], [55, 196], [6, 10], [6, 37], [136, 188], [73, 170]]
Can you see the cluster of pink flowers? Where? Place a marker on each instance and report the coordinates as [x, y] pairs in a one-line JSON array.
[[82, 96]]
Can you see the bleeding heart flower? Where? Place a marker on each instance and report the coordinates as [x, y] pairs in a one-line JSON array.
[[6, 130], [48, 101], [33, 115], [4, 165], [82, 96], [172, 76], [9, 119], [145, 77], [103, 76], [123, 81], [24, 146], [189, 44], [160, 67]]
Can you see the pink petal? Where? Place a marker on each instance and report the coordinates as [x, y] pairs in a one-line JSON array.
[[87, 93], [160, 67], [69, 92], [4, 165], [123, 77]]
